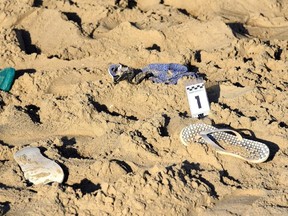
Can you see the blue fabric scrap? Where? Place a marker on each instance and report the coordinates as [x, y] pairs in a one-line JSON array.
[[167, 73]]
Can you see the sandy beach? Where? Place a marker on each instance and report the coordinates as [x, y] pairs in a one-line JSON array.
[[118, 144]]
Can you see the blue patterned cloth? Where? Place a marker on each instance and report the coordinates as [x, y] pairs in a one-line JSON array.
[[167, 73]]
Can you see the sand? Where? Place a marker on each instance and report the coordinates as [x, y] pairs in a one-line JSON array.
[[119, 144]]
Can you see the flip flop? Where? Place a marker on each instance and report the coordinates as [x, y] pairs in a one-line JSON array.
[[225, 143], [6, 78], [37, 168], [119, 73]]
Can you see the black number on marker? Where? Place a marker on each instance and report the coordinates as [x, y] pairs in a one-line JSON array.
[[198, 101]]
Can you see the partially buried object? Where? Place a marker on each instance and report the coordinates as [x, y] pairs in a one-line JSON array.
[[37, 168], [233, 145], [6, 78], [158, 73]]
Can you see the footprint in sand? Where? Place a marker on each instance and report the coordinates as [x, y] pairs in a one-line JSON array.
[[232, 91], [66, 84], [237, 203]]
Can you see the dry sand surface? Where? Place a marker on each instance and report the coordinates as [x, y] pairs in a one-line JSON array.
[[119, 144]]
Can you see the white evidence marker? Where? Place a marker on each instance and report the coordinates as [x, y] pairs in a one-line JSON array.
[[197, 98]]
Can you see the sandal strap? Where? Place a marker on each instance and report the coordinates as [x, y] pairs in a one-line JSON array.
[[204, 135]]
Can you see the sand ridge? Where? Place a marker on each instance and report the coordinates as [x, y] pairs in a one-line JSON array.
[[119, 144]]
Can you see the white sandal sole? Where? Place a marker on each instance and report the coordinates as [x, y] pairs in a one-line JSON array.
[[37, 168]]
